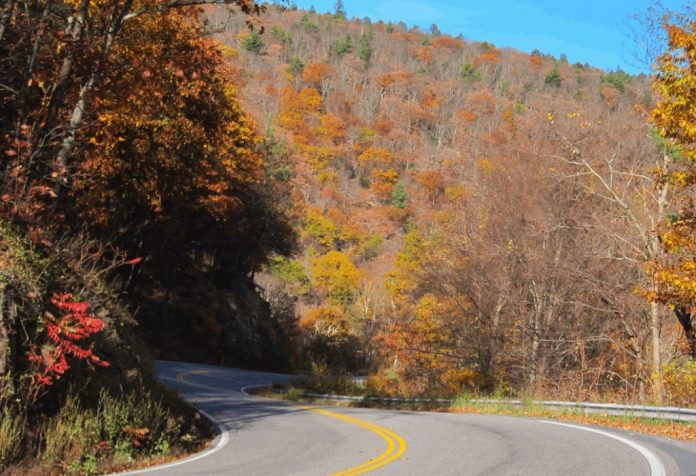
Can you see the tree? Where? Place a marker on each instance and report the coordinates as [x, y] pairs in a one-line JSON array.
[[399, 196], [553, 78], [336, 275], [340, 9], [60, 63], [254, 43], [342, 47], [675, 119], [618, 79], [365, 49]]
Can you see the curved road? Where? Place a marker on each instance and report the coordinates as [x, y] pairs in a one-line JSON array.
[[267, 437]]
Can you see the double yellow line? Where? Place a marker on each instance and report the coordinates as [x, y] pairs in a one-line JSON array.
[[181, 376], [396, 445]]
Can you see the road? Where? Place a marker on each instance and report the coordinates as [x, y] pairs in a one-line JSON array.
[[267, 437]]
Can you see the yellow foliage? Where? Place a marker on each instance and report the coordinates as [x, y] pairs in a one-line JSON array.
[[675, 119], [327, 320], [319, 228], [680, 383], [486, 166], [456, 192], [336, 275], [375, 156]]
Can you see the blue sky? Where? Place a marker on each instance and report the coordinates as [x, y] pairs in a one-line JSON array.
[[588, 31]]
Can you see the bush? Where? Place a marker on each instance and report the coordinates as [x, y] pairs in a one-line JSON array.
[[122, 427]]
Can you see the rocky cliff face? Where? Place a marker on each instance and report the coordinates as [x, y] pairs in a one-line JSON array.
[[233, 325]]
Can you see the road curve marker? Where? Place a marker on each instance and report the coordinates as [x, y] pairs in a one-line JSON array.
[[656, 466]]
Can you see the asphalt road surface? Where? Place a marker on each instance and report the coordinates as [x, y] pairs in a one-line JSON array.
[[266, 437]]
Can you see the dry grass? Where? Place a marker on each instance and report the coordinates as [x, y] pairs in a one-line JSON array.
[[11, 429]]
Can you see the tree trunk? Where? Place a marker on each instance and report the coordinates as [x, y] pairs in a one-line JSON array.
[[686, 320], [78, 111], [656, 357]]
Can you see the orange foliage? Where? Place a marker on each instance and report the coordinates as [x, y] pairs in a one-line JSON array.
[[383, 182], [429, 98], [446, 41], [432, 182], [327, 320], [332, 129], [404, 36], [425, 54], [296, 108], [135, 147], [375, 156], [491, 56], [536, 62], [467, 116], [481, 102], [383, 126], [315, 73], [610, 95], [394, 78]]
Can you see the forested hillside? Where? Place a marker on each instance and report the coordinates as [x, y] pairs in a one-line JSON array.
[[470, 217]]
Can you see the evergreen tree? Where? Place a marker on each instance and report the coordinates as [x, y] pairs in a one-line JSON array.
[[364, 48], [399, 196], [339, 9], [342, 47], [553, 78], [254, 43]]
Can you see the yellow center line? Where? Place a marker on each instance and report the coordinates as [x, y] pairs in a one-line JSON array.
[[396, 445], [181, 376]]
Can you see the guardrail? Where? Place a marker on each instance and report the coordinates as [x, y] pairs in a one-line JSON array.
[[639, 411]]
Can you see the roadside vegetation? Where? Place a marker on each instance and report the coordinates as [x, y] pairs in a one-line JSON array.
[[470, 403]]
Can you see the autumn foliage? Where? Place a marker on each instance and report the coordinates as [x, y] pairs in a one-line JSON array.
[[498, 209], [675, 119], [66, 334]]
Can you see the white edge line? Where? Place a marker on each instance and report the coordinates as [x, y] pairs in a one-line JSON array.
[[222, 440], [656, 466]]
